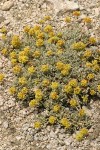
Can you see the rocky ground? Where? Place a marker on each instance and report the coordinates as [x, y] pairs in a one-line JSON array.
[[16, 121]]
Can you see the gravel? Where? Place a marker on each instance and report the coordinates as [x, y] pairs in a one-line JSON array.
[[16, 122]]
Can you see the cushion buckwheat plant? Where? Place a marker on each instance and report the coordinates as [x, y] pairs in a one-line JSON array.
[[57, 72]]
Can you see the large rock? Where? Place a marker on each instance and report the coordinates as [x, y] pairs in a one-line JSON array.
[[62, 6], [7, 5]]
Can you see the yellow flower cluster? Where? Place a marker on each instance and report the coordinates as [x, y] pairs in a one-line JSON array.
[[15, 41], [2, 76], [52, 119], [17, 69], [73, 103], [81, 134], [38, 95], [56, 108], [76, 13], [54, 85], [12, 90], [84, 82], [22, 80], [22, 94], [54, 95], [87, 54], [45, 68], [87, 20], [65, 122], [37, 125], [33, 103], [79, 46], [92, 40], [31, 70]]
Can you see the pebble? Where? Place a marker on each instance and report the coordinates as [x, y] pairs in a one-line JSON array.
[[7, 5], [5, 124]]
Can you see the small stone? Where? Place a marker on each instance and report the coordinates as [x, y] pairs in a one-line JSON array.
[[5, 124], [62, 6], [7, 5], [2, 19], [68, 141]]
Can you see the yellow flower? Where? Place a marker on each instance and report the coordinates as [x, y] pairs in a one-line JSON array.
[[88, 64], [40, 35], [47, 18], [3, 30], [22, 80], [53, 39], [51, 34], [31, 70], [76, 13], [73, 83], [90, 76], [39, 43], [52, 119], [56, 108], [59, 52], [65, 122], [15, 41], [87, 53], [17, 69], [12, 90], [98, 88], [26, 50], [21, 95], [23, 59], [13, 55], [54, 95], [60, 43], [59, 65], [79, 46], [85, 98], [4, 52], [45, 82], [37, 125], [4, 37], [79, 136], [94, 62], [26, 29], [33, 103], [73, 103], [41, 21], [68, 89], [81, 112], [67, 19], [59, 34], [48, 29], [87, 20], [84, 131], [44, 68], [96, 67], [92, 92], [31, 31], [49, 53], [37, 27], [84, 82], [24, 90], [92, 40], [37, 54], [64, 72], [2, 76], [54, 85], [38, 94], [77, 90], [13, 61]]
